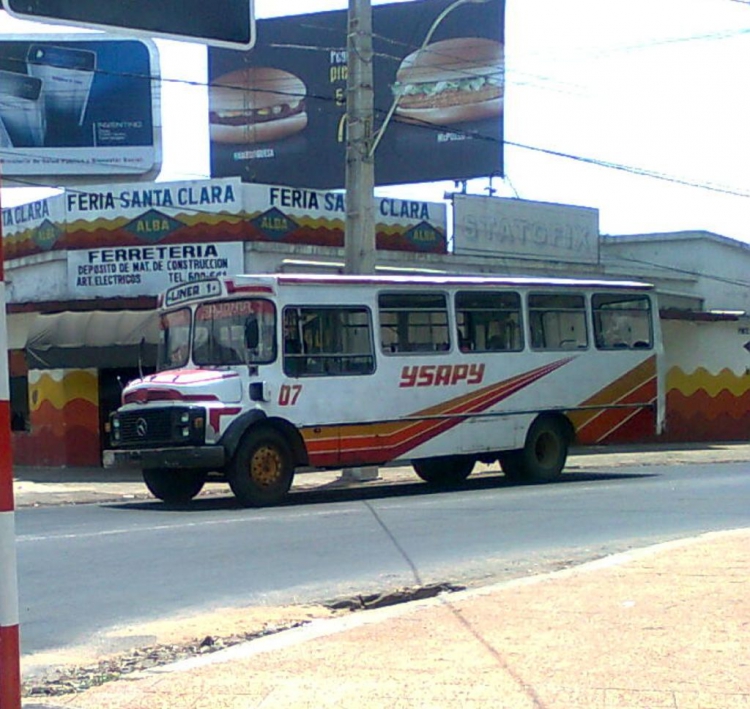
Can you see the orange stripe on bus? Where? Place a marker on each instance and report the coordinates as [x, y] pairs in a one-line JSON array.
[[383, 441]]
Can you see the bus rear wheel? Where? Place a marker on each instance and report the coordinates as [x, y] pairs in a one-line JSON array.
[[262, 469], [174, 486], [543, 456], [447, 471]]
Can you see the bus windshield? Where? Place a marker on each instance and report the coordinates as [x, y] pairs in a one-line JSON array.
[[235, 332], [174, 339]]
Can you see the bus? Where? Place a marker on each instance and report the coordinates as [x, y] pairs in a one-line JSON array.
[[260, 377]]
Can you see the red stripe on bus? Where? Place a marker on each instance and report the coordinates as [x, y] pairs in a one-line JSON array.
[[233, 288], [380, 442], [386, 440]]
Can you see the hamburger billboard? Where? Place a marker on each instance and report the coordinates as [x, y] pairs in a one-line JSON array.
[[277, 113]]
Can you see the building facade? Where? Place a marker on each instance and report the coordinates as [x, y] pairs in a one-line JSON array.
[[84, 270]]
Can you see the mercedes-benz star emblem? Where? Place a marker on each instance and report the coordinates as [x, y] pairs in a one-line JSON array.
[[141, 427]]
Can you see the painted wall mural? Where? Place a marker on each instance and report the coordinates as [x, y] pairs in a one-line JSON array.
[[707, 381], [64, 413], [702, 406]]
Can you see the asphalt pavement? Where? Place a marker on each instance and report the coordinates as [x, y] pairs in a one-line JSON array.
[[664, 626], [38, 486]]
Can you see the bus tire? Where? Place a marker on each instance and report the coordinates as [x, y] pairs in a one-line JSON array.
[[262, 469], [174, 486], [447, 471], [543, 456]]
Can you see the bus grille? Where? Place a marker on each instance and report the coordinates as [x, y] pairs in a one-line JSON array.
[[152, 427]]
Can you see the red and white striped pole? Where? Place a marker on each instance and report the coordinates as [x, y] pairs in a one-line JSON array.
[[10, 645]]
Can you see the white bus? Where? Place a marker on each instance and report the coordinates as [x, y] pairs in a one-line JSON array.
[[260, 376]]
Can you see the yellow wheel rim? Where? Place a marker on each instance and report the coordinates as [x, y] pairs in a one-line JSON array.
[[266, 466]]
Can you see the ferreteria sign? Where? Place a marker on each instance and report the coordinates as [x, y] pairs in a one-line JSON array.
[[148, 270]]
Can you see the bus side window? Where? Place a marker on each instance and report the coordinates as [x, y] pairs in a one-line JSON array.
[[558, 321], [327, 341], [413, 322], [489, 321], [622, 321]]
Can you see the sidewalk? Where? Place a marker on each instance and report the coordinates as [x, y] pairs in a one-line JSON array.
[[663, 627]]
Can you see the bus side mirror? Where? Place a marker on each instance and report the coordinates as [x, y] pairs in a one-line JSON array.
[[252, 334]]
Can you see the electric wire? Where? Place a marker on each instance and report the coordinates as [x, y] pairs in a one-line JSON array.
[[637, 170]]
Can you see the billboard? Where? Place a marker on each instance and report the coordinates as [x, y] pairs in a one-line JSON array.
[[72, 108], [220, 22], [277, 113], [90, 217], [517, 228], [298, 216]]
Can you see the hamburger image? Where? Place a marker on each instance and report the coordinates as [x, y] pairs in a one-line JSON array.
[[451, 81], [256, 105]]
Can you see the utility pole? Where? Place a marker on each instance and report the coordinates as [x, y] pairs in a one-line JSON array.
[[359, 231], [361, 138]]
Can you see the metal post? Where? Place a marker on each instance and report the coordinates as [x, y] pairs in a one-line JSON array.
[[359, 233], [10, 646]]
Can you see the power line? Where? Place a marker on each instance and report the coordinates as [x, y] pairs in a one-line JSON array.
[[737, 192], [579, 158]]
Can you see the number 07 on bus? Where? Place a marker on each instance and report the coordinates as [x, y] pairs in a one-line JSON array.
[[260, 377]]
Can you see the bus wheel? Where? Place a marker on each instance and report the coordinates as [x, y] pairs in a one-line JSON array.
[[174, 486], [448, 471], [543, 456], [262, 470]]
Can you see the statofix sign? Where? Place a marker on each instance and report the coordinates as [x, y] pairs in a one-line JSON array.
[[277, 113], [517, 228]]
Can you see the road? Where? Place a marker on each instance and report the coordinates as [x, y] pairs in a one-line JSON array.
[[86, 568]]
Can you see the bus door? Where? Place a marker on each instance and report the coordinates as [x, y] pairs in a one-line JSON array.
[[329, 367]]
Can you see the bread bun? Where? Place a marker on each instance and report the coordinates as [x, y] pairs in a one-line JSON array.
[[255, 105], [451, 81]]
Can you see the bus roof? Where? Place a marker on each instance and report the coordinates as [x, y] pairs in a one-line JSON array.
[[272, 282], [437, 280]]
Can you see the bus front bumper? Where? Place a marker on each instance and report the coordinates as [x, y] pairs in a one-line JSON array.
[[203, 457]]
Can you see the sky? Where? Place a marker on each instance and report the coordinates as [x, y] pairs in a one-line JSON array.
[[638, 108]]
